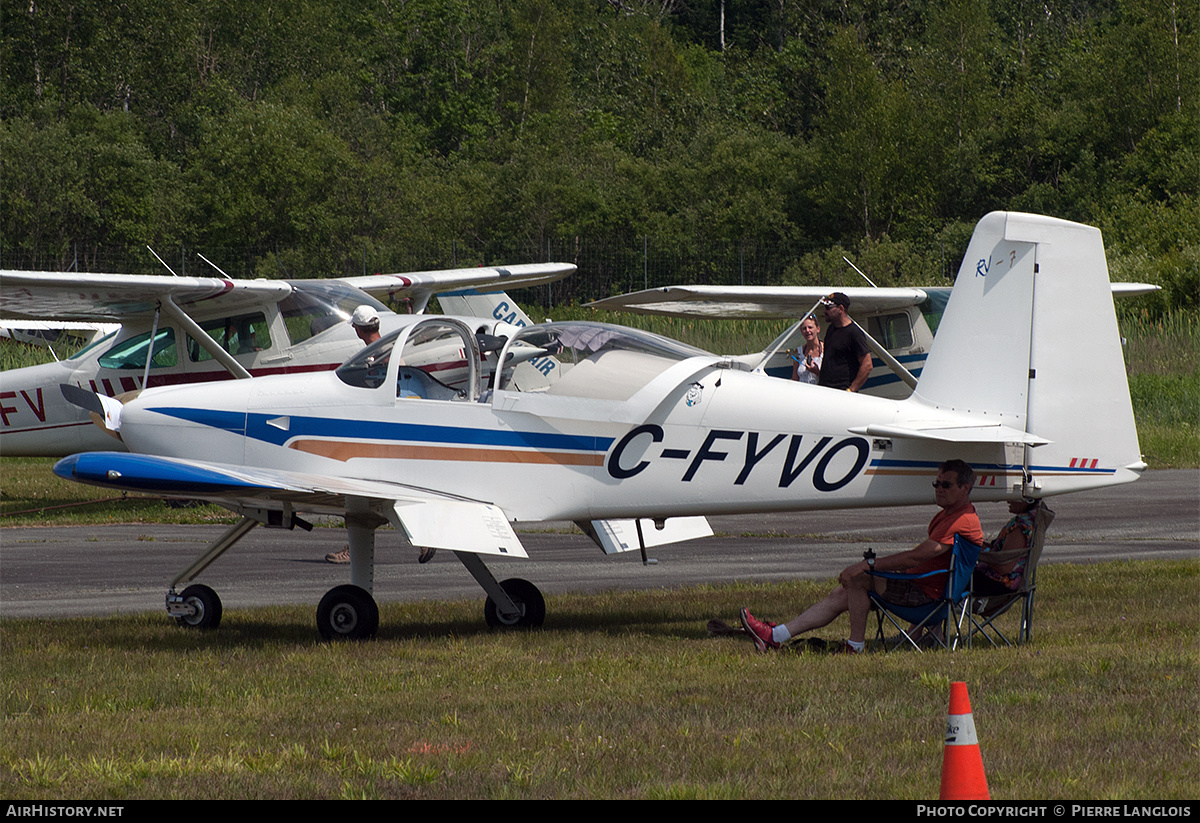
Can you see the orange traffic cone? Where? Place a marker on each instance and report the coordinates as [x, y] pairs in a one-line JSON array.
[[962, 764]]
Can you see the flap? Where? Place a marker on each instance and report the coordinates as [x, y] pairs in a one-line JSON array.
[[459, 525], [617, 536]]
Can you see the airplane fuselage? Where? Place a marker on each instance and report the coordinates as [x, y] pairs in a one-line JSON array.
[[728, 441]]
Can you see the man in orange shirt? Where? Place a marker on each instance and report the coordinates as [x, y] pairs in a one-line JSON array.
[[952, 491]]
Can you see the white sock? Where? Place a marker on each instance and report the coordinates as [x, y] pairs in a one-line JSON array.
[[780, 634], [858, 647]]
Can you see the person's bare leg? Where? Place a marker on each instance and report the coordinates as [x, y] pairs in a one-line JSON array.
[[821, 613]]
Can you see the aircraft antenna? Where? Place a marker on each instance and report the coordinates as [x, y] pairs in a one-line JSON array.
[[860, 271], [164, 262], [211, 263]]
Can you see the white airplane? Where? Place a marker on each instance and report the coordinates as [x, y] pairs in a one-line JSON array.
[[899, 322], [197, 330], [636, 437], [49, 333]]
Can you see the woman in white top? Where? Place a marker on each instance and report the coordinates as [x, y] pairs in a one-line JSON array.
[[807, 368]]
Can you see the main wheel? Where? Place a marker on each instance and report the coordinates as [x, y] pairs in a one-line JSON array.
[[347, 613], [207, 605], [526, 597]]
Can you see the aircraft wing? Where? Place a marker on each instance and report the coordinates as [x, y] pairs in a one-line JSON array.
[[1133, 289], [781, 301], [430, 519], [47, 332], [98, 298], [424, 283], [754, 301], [72, 296]]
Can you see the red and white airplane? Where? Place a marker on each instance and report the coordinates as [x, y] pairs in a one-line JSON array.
[[180, 330]]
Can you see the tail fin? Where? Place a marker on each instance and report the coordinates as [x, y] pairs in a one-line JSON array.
[[1029, 340]]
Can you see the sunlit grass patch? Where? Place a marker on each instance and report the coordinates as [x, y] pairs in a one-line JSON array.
[[620, 695]]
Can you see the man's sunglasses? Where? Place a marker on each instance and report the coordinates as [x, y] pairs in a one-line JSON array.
[[942, 484]]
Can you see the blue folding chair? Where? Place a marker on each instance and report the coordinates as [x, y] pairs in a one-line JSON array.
[[986, 609], [949, 611]]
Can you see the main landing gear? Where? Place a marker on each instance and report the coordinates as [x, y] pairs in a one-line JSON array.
[[349, 612], [530, 605]]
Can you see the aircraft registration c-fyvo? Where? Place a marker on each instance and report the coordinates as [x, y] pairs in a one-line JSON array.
[[636, 437]]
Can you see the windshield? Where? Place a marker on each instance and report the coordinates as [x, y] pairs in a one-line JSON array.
[[368, 369], [131, 352], [594, 359], [317, 305], [105, 340], [934, 306]]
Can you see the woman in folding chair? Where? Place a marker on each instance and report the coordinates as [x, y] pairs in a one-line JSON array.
[[952, 492], [993, 580]]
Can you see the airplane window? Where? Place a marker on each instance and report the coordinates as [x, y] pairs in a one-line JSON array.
[[237, 335], [436, 363], [315, 306], [368, 369], [893, 331], [131, 353]]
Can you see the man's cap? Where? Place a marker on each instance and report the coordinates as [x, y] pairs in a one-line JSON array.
[[364, 316], [838, 299]]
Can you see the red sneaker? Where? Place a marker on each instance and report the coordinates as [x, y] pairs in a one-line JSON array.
[[759, 631]]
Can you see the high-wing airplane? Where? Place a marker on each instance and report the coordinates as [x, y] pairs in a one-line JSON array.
[[899, 322], [197, 330], [633, 436]]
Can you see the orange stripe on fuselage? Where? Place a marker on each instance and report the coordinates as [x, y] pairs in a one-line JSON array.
[[345, 450]]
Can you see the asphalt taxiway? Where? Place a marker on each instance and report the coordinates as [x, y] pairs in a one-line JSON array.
[[96, 570]]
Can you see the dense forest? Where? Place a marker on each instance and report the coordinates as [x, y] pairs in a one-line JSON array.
[[649, 141]]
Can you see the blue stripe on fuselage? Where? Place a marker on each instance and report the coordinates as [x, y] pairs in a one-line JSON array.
[[255, 427]]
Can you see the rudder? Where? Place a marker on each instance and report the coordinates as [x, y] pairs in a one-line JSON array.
[[1029, 340]]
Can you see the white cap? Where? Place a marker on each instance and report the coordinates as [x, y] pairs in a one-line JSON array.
[[364, 316]]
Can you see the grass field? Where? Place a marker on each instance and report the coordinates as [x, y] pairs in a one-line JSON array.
[[621, 695]]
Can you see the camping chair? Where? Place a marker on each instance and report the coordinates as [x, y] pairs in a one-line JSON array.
[[947, 612], [985, 609]]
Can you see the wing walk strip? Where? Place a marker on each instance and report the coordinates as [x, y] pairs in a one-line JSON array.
[[343, 451]]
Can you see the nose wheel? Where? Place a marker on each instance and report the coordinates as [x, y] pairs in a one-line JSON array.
[[198, 607]]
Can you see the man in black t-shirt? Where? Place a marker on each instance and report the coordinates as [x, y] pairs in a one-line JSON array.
[[847, 361]]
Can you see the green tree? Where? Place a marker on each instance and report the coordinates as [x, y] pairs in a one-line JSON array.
[[74, 185], [872, 157]]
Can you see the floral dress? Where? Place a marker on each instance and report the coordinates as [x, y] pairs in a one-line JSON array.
[[1010, 579]]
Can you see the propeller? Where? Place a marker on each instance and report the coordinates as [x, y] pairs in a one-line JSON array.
[[105, 411]]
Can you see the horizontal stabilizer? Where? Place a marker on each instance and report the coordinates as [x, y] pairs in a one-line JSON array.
[[954, 434]]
